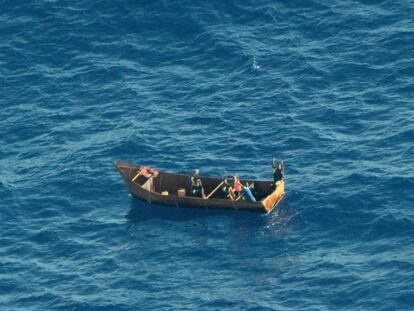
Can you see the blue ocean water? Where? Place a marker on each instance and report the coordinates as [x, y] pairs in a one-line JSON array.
[[223, 86]]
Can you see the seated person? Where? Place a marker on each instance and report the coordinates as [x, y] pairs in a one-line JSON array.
[[230, 193], [197, 189], [227, 191], [237, 185], [247, 193]]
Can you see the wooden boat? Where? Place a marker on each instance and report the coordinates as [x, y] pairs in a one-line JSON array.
[[173, 189]]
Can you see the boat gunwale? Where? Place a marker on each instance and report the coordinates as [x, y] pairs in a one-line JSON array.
[[186, 175]]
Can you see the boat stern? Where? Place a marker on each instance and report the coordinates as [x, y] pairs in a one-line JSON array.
[[271, 201]]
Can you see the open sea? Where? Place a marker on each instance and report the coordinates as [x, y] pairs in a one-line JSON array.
[[223, 86]]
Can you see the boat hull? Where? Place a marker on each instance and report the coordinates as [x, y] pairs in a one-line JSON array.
[[171, 182]]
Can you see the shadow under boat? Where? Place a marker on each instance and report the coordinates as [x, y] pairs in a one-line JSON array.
[[278, 224]]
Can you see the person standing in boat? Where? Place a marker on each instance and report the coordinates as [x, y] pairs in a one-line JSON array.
[[277, 171], [197, 189]]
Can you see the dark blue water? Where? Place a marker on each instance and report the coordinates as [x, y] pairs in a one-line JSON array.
[[328, 86]]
